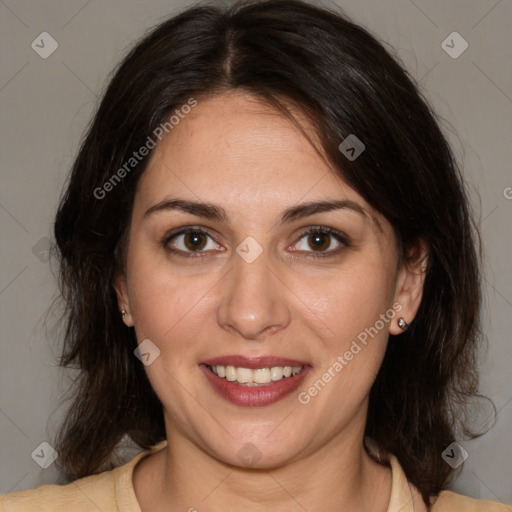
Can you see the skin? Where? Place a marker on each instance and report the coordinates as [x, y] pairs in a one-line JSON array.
[[237, 152]]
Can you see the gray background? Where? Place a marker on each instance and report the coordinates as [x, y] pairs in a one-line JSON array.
[[45, 105]]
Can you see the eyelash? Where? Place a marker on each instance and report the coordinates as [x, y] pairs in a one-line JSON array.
[[338, 235]]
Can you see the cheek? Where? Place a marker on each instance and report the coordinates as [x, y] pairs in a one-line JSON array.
[[168, 308], [164, 306], [352, 317], [347, 301], [169, 312]]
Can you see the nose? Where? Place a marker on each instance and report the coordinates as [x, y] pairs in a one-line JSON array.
[[253, 301]]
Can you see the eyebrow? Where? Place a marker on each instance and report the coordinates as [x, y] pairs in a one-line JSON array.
[[217, 213]]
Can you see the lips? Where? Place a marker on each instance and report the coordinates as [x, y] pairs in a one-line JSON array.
[[260, 395], [253, 362]]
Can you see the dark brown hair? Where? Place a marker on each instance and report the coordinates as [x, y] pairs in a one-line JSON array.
[[346, 83]]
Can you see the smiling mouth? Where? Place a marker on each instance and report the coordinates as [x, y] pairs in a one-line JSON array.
[[255, 377]]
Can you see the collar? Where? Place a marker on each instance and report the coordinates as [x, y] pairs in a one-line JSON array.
[[401, 495]]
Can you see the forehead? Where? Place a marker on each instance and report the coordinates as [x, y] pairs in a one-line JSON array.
[[241, 152]]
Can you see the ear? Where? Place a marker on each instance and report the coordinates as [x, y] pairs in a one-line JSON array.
[[409, 284], [122, 298]]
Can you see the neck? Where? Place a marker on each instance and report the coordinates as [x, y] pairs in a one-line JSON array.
[[339, 476]]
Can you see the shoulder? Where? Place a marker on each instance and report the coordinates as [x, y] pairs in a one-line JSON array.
[[449, 501], [82, 495], [110, 490], [404, 493]]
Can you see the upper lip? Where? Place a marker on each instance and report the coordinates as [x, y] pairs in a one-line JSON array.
[[253, 362]]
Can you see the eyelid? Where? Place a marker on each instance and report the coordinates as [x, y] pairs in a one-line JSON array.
[[326, 229], [341, 237], [183, 231]]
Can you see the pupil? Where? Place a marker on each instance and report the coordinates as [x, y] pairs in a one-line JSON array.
[[193, 241], [319, 240]]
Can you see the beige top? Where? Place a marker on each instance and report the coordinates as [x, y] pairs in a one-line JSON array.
[[113, 491]]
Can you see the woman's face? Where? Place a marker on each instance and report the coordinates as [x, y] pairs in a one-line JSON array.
[[252, 289]]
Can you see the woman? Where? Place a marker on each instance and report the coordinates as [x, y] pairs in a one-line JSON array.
[[271, 275]]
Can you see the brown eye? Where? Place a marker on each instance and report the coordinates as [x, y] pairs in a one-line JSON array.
[[194, 240], [188, 242], [322, 242], [319, 241]]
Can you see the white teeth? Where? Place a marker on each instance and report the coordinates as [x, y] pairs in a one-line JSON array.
[[244, 375], [276, 373], [249, 377], [230, 373], [261, 375]]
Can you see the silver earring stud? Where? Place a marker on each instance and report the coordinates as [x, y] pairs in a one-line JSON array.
[[123, 312], [403, 324]]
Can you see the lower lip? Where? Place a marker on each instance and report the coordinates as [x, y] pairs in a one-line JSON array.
[[255, 396]]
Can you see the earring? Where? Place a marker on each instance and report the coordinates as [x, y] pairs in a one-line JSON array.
[[123, 312], [403, 324]]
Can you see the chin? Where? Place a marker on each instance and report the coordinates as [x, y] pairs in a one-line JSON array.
[[261, 455]]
